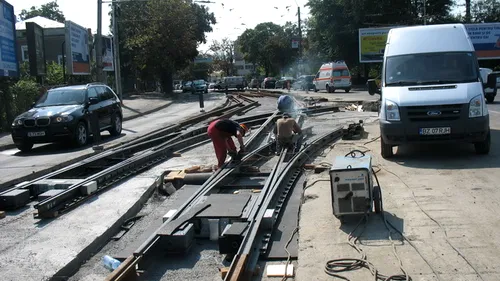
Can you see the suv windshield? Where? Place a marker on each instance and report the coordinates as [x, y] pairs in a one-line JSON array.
[[199, 82], [310, 78], [431, 69], [61, 97]]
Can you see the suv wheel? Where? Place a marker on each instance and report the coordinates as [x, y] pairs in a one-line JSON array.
[[116, 125], [24, 146], [81, 135], [347, 90], [483, 147]]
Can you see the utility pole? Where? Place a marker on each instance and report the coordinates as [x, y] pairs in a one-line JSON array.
[[467, 11], [116, 47], [98, 48], [425, 12], [300, 40]]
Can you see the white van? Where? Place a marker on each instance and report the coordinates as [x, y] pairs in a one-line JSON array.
[[332, 76], [431, 89], [234, 82]]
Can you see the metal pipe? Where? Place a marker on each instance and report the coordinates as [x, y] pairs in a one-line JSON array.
[[98, 38]]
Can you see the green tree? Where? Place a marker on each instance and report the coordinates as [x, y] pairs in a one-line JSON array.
[[54, 74], [270, 46], [222, 53], [160, 37], [49, 10], [485, 11]]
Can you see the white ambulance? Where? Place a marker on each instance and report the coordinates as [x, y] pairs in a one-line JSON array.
[[332, 76]]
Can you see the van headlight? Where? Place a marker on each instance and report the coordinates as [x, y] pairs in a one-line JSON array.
[[476, 107], [392, 111]]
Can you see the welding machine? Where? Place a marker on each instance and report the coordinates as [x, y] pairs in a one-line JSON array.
[[353, 190]]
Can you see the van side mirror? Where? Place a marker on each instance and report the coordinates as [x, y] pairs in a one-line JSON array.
[[372, 87], [492, 81]]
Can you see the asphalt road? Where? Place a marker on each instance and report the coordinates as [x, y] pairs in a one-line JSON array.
[[15, 164]]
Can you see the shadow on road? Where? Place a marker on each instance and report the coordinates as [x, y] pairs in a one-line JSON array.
[[374, 228], [448, 156], [66, 147]]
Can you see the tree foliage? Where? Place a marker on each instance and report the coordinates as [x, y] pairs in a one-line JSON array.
[[222, 55], [269, 45], [49, 10], [159, 37], [485, 11]]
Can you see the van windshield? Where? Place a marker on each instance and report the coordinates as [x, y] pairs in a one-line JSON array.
[[431, 69]]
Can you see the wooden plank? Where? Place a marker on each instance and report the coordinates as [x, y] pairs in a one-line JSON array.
[[239, 272]]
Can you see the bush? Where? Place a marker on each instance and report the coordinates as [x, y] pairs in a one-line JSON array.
[[24, 93], [54, 74]]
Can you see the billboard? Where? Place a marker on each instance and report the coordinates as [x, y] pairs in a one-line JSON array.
[[36, 49], [8, 57], [77, 49], [372, 44], [107, 53], [484, 36], [486, 39]]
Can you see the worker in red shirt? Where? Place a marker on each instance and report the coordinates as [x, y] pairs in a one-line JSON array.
[[220, 132]]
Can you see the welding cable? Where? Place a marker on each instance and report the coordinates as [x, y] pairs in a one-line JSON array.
[[435, 221], [372, 140]]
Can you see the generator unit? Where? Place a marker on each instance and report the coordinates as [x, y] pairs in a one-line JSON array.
[[352, 186]]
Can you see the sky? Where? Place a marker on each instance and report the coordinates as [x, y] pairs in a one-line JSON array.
[[233, 16], [230, 17]]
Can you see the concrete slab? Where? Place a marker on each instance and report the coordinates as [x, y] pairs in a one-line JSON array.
[[57, 248]]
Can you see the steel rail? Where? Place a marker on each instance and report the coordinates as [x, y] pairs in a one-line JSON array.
[[218, 177], [247, 255], [52, 206]]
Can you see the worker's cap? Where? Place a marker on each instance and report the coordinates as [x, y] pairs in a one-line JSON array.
[[287, 114], [244, 128]]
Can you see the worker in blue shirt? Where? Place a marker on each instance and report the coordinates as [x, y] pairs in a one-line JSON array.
[[285, 104]]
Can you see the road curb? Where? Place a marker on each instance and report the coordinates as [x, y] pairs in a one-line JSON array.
[[134, 116]]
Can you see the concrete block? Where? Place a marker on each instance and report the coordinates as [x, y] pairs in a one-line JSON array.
[[268, 219], [49, 194], [14, 199], [169, 214], [88, 188]]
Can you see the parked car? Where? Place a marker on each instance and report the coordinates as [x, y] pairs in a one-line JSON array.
[[305, 82], [269, 83], [233, 82], [199, 86], [211, 85], [283, 83], [333, 76], [66, 113], [254, 83], [187, 87]]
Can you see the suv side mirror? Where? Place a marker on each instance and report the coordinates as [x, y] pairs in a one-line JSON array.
[[93, 101], [372, 87], [492, 81]]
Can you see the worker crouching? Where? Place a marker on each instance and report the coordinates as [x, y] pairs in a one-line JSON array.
[[285, 130], [221, 133]]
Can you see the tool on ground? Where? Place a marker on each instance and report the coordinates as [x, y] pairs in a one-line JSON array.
[[354, 131], [352, 188]]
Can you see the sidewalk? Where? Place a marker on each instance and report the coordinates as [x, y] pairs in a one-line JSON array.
[[133, 107]]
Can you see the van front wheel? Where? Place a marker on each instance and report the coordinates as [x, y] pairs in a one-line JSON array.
[[483, 147], [490, 99], [386, 149]]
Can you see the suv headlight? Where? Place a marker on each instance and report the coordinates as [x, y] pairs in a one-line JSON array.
[[17, 122], [391, 111], [476, 107], [63, 119]]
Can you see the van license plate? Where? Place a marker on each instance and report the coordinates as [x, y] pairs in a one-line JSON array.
[[435, 131], [36, 134]]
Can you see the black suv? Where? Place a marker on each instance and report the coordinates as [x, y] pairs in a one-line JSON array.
[[66, 113]]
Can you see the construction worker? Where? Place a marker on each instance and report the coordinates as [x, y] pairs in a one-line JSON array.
[[285, 104], [220, 132], [285, 129]]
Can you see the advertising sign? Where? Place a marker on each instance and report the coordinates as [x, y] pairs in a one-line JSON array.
[[372, 44], [484, 36], [107, 54], [486, 39], [203, 60], [295, 43], [36, 49], [77, 49], [8, 56]]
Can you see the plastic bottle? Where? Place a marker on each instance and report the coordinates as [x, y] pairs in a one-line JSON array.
[[110, 263]]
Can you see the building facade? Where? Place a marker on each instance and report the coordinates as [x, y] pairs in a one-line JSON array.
[[242, 67], [54, 37]]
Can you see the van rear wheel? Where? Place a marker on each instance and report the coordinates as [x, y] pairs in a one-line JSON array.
[[386, 149]]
